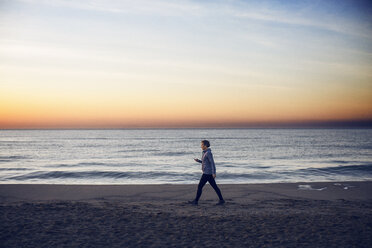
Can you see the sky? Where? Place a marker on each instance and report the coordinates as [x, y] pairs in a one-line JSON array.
[[175, 64]]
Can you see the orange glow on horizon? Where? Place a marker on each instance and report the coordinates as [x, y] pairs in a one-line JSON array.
[[36, 111], [49, 117]]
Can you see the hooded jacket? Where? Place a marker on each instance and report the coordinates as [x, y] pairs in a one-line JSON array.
[[208, 166]]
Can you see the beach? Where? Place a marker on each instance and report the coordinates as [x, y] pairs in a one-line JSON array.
[[321, 214]]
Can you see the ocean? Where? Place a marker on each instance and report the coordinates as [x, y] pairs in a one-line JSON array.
[[165, 156]]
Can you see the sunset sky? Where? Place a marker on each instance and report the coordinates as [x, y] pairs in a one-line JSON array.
[[125, 64]]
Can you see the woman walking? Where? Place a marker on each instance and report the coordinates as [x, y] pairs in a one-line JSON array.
[[209, 173]]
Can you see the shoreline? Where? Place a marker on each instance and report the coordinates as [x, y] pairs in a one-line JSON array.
[[329, 214], [350, 190], [195, 182]]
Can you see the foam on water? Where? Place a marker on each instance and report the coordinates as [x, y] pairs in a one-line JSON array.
[[309, 187]]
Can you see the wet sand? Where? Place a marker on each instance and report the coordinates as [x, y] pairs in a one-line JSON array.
[[324, 214]]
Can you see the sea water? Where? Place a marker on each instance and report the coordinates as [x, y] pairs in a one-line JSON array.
[[143, 156]]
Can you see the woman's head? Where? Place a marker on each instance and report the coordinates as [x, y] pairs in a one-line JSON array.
[[205, 144]]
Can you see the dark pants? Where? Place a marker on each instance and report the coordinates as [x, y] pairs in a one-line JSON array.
[[203, 180]]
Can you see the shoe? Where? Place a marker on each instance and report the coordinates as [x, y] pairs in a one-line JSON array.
[[193, 202], [221, 202]]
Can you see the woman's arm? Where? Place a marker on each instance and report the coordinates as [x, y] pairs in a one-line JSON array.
[[197, 160]]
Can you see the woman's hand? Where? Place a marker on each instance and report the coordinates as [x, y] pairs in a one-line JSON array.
[[214, 175]]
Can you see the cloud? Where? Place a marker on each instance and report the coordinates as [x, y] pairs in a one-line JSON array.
[[166, 8], [307, 14], [329, 22]]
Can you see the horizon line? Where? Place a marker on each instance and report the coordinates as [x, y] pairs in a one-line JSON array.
[[340, 124]]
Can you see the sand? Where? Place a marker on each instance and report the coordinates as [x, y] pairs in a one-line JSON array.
[[323, 214]]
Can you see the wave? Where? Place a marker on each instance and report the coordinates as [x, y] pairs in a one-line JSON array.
[[87, 164], [309, 173], [366, 147], [96, 174], [75, 165], [260, 175], [169, 176], [171, 154], [229, 166], [360, 169], [11, 158], [138, 150], [86, 138], [340, 161], [13, 169], [280, 157]]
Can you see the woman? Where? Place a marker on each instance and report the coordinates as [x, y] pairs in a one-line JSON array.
[[209, 173]]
